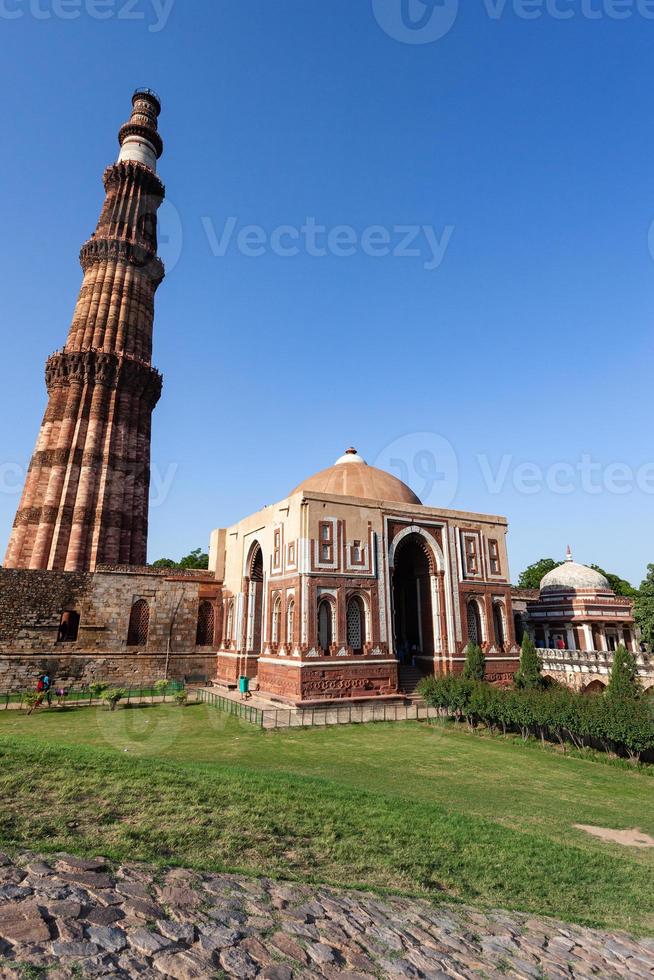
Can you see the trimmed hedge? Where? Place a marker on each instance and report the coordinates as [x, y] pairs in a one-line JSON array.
[[621, 726]]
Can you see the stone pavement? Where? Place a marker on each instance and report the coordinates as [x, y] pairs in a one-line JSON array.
[[64, 917]]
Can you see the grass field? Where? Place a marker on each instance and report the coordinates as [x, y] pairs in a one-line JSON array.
[[411, 808]]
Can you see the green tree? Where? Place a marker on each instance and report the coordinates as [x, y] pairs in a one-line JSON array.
[[474, 668], [196, 559], [530, 672], [644, 608], [532, 575], [623, 682], [619, 585]]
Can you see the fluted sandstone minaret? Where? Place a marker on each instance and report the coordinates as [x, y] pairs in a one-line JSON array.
[[85, 500]]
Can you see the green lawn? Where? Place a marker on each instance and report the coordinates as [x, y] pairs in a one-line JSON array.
[[412, 808]]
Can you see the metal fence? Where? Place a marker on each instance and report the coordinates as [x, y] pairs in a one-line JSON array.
[[83, 696], [320, 717]]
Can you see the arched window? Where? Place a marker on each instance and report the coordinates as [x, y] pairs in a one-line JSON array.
[[139, 624], [498, 624], [229, 631], [206, 619], [276, 619], [356, 630], [325, 625], [290, 621], [475, 634]]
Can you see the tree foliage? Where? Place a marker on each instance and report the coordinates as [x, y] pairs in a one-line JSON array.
[[623, 682], [619, 725], [644, 608], [619, 585], [196, 559], [530, 672], [475, 666], [532, 575]]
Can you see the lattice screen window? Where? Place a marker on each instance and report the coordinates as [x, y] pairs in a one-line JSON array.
[[206, 619], [139, 624], [474, 626], [354, 625]]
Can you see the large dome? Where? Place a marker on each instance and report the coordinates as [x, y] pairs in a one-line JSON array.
[[573, 577], [350, 476]]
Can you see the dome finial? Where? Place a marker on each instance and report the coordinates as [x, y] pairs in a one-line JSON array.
[[568, 554]]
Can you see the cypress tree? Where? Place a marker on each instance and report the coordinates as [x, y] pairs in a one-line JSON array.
[[623, 682], [530, 672], [474, 668]]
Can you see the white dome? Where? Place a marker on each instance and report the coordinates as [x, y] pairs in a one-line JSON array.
[[573, 577]]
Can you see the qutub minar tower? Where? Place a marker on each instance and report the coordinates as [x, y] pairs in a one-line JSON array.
[[85, 500]]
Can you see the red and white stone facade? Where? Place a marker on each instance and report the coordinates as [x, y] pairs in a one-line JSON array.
[[577, 621], [85, 500], [327, 593]]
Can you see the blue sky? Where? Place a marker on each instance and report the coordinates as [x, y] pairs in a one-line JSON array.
[[523, 146]]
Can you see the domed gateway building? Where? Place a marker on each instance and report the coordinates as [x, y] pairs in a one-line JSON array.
[[351, 588], [577, 622]]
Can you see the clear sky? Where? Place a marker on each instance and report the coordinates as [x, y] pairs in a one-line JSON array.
[[508, 360]]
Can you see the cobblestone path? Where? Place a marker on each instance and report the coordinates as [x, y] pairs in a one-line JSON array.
[[64, 917]]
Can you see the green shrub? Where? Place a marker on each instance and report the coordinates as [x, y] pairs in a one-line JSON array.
[[113, 696], [623, 682], [620, 725], [530, 672], [97, 689], [474, 668], [181, 697], [161, 686]]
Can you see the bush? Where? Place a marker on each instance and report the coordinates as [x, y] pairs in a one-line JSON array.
[[474, 668], [113, 696], [181, 697], [623, 682], [530, 672], [97, 689], [161, 686], [620, 725]]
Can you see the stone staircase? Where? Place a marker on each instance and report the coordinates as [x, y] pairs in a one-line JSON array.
[[410, 677]]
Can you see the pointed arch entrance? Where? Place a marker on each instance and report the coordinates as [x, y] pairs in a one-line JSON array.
[[255, 601], [413, 614]]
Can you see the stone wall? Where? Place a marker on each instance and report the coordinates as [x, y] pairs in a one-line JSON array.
[[32, 603]]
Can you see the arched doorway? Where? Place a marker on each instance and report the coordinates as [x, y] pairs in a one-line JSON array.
[[356, 624], [255, 606], [519, 626], [413, 625]]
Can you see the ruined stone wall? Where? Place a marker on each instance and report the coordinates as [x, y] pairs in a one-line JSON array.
[[32, 602]]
